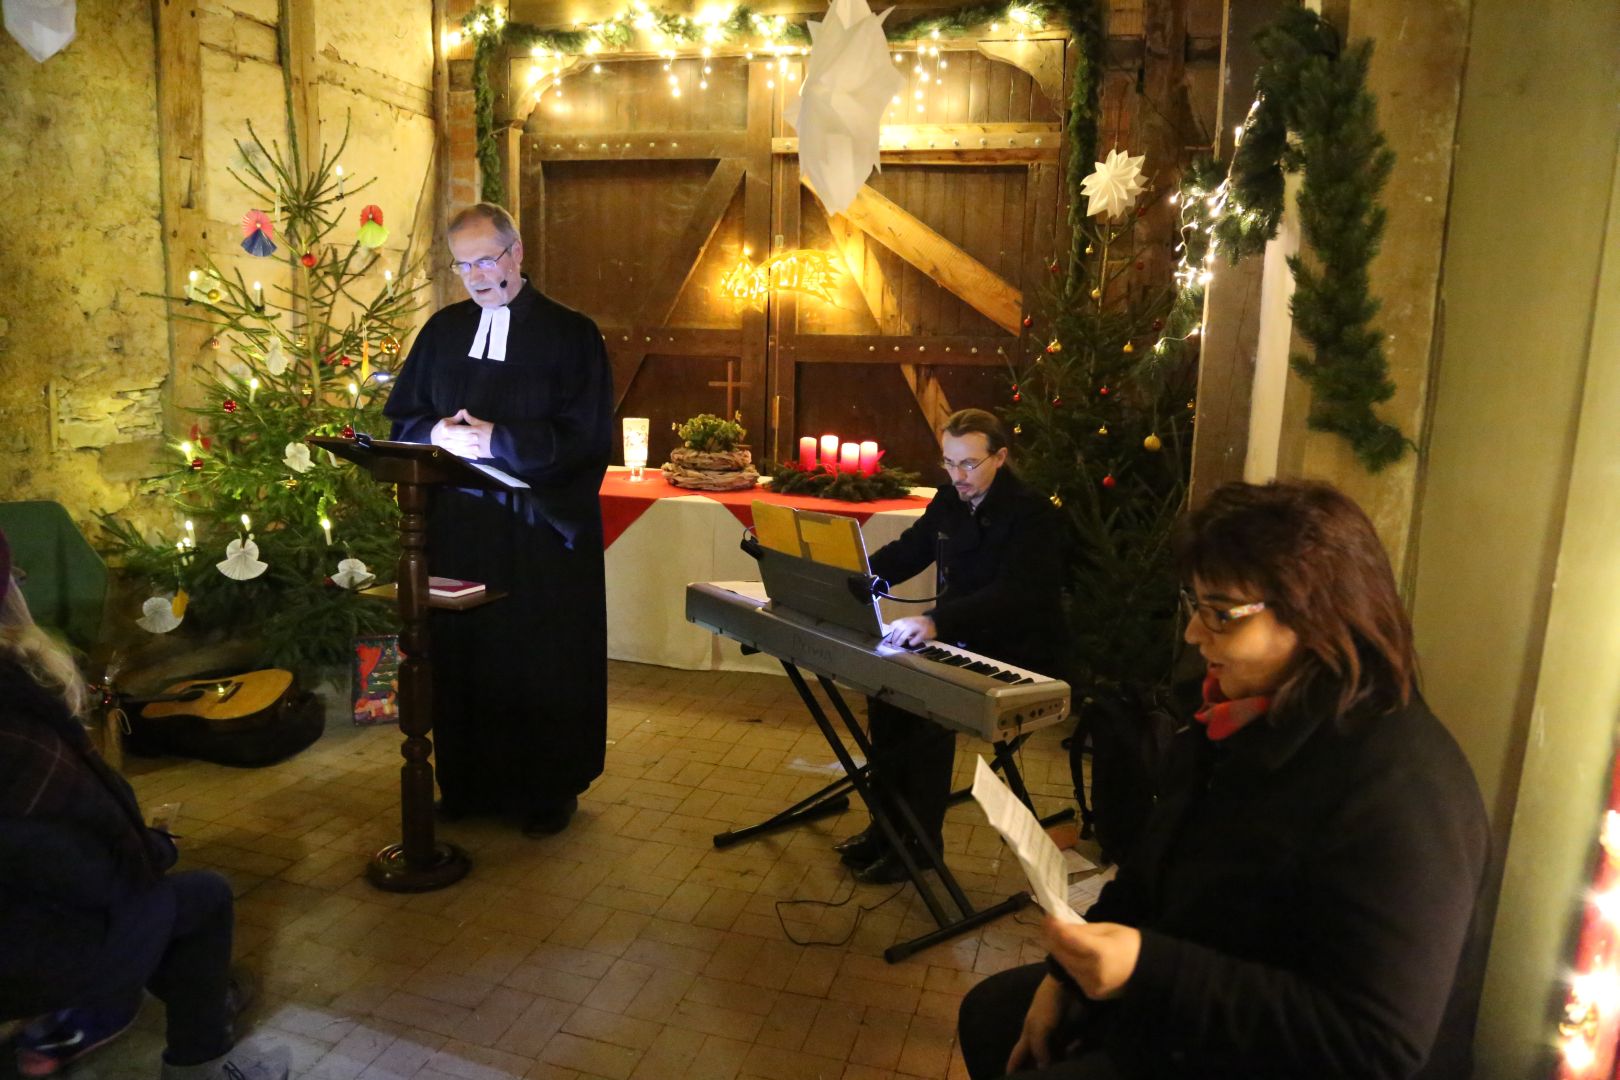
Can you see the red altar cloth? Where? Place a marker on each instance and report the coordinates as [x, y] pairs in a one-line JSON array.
[[623, 501]]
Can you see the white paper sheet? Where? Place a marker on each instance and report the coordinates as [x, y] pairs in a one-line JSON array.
[[1039, 856]]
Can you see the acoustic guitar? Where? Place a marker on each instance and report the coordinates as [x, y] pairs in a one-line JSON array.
[[229, 703]]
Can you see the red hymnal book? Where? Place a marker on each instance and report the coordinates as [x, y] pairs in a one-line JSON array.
[[450, 587]]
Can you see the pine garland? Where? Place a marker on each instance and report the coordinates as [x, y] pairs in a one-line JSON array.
[[789, 479]]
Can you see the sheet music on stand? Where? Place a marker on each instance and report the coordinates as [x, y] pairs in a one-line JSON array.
[[1039, 856]]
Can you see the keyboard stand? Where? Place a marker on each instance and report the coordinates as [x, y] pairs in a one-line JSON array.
[[834, 799]]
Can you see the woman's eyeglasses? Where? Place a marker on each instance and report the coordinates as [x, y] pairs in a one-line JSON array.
[[1217, 620]]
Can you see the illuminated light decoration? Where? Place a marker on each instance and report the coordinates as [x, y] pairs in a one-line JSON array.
[[803, 270], [1590, 1026]]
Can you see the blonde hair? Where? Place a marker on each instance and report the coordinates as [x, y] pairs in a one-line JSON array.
[[45, 659]]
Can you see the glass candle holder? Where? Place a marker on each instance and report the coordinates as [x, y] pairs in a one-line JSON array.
[[635, 445]]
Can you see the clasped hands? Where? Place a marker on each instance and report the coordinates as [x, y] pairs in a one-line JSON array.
[[1101, 957], [463, 435]]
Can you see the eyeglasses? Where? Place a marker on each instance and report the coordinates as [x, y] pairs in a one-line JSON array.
[[486, 263], [964, 467], [1217, 620]]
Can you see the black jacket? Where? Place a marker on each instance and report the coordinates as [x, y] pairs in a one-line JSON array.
[[1003, 566], [81, 909], [1305, 890]]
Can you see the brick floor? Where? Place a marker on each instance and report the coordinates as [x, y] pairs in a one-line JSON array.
[[627, 947]]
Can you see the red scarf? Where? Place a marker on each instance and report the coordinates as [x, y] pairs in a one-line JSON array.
[[1222, 716]]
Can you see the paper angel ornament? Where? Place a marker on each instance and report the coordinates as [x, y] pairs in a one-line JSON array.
[[275, 357], [158, 614], [256, 232], [352, 574], [242, 561], [296, 457], [849, 81], [372, 234], [42, 27], [205, 287], [1115, 184]]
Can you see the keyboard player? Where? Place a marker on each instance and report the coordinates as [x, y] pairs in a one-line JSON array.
[[1000, 548]]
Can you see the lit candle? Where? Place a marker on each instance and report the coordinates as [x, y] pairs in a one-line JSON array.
[[253, 388], [338, 170], [326, 527], [247, 525], [192, 277], [258, 296], [829, 451], [365, 359], [869, 458], [388, 283], [185, 450], [354, 388], [191, 534], [849, 457], [807, 453]]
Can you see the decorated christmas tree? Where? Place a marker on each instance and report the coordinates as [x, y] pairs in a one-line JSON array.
[[1102, 420], [273, 540]]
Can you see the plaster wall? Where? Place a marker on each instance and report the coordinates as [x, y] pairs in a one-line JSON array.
[[84, 355], [1514, 566]]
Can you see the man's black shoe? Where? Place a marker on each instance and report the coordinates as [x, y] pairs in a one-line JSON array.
[[862, 848], [552, 820], [890, 869]]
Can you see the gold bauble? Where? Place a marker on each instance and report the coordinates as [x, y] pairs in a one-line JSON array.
[[1088, 249], [1057, 500], [1152, 442], [390, 345], [1018, 429], [1103, 430], [1129, 347], [1096, 294]]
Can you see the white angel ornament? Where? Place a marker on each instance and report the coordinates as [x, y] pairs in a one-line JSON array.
[[352, 574], [242, 561]]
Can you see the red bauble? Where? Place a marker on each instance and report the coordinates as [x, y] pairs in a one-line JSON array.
[[1017, 396], [229, 406], [207, 443], [308, 259], [348, 431], [345, 361], [1029, 321], [1109, 481], [1057, 401], [1055, 266], [196, 464], [1103, 390]]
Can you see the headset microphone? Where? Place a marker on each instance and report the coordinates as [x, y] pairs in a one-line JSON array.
[[503, 284]]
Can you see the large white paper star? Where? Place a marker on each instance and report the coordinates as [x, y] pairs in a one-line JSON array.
[[849, 80], [42, 27], [1114, 186]]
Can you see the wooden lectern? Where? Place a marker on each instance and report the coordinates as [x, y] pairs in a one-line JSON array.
[[419, 863]]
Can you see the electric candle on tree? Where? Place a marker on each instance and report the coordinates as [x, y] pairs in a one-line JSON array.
[[869, 458], [807, 453]]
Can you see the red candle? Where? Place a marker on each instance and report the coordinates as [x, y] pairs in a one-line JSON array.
[[807, 453], [849, 457], [869, 458], [829, 451]]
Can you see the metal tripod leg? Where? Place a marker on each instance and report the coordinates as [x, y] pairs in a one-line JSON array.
[[1001, 761]]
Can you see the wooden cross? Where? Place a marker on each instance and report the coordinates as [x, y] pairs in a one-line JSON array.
[[732, 385]]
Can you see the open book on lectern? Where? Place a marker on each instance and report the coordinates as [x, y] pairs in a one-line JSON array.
[[811, 563]]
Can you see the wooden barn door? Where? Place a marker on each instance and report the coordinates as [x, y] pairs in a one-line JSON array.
[[635, 202]]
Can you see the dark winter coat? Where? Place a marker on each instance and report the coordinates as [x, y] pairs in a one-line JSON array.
[[1305, 891], [79, 902], [1003, 568]]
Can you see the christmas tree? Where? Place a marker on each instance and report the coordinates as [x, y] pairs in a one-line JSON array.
[[1102, 419], [273, 540]]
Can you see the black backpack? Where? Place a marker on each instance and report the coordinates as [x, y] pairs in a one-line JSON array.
[[1126, 736]]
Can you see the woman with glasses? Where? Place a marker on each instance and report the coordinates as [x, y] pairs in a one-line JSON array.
[[1300, 902]]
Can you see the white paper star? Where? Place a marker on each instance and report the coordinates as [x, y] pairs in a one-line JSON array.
[[242, 561], [1114, 186], [296, 458], [352, 574], [157, 615], [849, 80], [42, 27]]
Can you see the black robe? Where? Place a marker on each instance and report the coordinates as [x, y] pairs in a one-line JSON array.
[[519, 685]]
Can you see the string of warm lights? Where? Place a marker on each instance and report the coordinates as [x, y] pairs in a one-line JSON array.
[[1591, 1021]]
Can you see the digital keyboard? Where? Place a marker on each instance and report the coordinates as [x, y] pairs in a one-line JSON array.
[[949, 685]]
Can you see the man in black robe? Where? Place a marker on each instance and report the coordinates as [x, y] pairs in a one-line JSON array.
[[516, 380], [999, 545]]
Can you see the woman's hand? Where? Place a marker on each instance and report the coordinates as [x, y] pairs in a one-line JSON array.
[[1040, 1027], [1100, 956]]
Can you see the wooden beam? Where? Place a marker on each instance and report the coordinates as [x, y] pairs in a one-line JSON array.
[[953, 269], [664, 291], [883, 349], [640, 146], [673, 340], [880, 301], [180, 172], [959, 144]]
